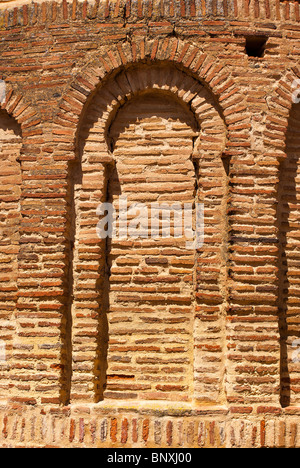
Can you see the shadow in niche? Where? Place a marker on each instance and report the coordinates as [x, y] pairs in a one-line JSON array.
[[102, 284], [287, 205], [8, 123], [113, 188], [75, 177], [103, 273]]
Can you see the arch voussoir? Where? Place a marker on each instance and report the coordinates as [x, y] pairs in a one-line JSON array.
[[196, 64], [280, 105], [197, 132]]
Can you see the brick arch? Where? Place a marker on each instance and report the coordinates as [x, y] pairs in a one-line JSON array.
[[280, 105], [16, 105], [212, 73], [91, 173], [19, 127], [167, 78], [152, 145]]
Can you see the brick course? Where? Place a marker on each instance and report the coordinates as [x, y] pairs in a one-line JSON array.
[[142, 342]]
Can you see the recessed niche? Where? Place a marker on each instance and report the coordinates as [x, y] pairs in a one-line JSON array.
[[256, 45]]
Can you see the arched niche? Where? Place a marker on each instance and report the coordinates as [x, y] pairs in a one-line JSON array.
[[180, 137], [151, 298]]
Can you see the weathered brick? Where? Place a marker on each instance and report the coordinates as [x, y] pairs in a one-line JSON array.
[[178, 113]]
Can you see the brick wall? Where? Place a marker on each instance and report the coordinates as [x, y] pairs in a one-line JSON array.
[[151, 281], [144, 342], [11, 181]]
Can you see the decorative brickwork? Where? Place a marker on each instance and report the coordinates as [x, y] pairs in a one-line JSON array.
[[154, 147], [145, 342]]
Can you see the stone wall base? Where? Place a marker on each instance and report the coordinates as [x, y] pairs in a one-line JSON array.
[[122, 426]]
